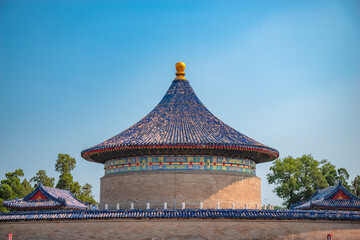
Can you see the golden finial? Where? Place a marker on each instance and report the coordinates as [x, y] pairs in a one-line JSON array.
[[180, 67]]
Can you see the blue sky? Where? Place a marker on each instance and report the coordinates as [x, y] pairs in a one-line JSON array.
[[75, 73]]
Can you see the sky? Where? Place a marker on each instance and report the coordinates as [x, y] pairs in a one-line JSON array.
[[75, 73]]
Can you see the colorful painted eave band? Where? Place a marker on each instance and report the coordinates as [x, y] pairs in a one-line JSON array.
[[273, 154]]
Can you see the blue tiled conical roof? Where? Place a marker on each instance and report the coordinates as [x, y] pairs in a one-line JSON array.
[[180, 124]]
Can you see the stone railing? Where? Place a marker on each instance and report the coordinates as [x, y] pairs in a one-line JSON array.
[[183, 204]]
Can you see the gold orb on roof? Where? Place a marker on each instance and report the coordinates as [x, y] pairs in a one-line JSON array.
[[180, 68]]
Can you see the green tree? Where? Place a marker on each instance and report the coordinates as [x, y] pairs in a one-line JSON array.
[[2, 209], [343, 177], [329, 172], [6, 192], [18, 188], [12, 187], [42, 177], [64, 165], [12, 179], [27, 188], [355, 185], [85, 194], [75, 189], [333, 176], [296, 178], [311, 177], [285, 174]]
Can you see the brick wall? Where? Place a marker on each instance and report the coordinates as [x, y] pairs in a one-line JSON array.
[[180, 229], [191, 187]]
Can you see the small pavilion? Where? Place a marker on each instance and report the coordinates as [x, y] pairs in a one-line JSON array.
[[46, 198], [331, 198]]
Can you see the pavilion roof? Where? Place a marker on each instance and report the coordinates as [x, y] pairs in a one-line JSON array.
[[334, 197], [44, 197], [180, 124]]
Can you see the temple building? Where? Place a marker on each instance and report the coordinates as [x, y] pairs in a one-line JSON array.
[[180, 154], [331, 198], [46, 198], [180, 168]]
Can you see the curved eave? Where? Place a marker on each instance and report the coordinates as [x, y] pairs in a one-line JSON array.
[[345, 206], [259, 154], [340, 204], [34, 204], [35, 208]]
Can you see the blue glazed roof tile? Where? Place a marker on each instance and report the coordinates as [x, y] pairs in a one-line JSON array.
[[182, 213], [180, 120]]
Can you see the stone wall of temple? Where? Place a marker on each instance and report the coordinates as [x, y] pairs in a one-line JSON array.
[[175, 186], [181, 229]]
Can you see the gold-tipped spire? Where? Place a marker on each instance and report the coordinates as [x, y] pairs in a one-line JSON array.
[[180, 67]]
